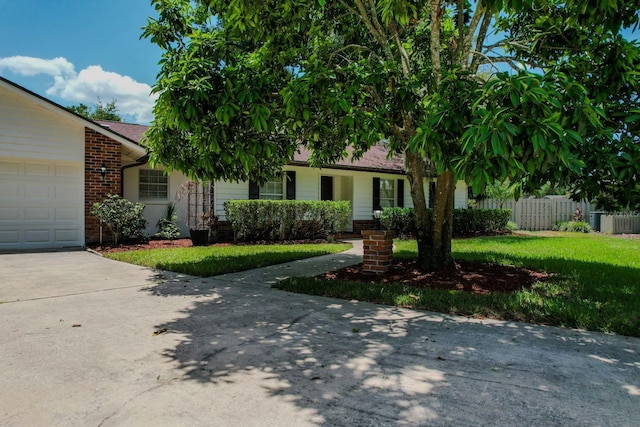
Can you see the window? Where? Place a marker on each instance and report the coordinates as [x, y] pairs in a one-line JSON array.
[[153, 184], [387, 194], [273, 189]]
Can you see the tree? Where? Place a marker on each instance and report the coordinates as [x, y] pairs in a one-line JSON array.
[[99, 112], [501, 191], [244, 84]]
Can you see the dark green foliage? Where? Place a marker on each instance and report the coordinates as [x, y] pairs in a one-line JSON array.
[[480, 221], [124, 218], [242, 86], [254, 220], [99, 111], [465, 221]]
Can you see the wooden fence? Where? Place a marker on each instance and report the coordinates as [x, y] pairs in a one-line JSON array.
[[620, 223], [540, 214]]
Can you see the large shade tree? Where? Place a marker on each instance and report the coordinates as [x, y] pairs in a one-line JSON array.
[[480, 91]]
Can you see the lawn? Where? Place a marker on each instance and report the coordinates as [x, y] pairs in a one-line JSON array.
[[214, 260], [594, 284]]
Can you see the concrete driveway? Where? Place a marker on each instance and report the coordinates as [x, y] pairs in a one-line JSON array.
[[77, 347]]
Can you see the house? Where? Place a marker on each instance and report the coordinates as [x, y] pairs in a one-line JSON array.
[[55, 164]]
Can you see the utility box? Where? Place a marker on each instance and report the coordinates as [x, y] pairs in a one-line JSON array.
[[595, 220]]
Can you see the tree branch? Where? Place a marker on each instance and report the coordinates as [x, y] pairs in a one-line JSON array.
[[482, 34], [471, 30], [364, 16], [436, 64]]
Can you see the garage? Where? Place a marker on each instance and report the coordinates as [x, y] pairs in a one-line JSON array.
[[41, 204]]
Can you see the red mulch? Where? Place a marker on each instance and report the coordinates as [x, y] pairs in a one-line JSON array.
[[151, 244], [474, 277]]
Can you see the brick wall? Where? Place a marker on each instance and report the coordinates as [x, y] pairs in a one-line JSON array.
[[99, 150]]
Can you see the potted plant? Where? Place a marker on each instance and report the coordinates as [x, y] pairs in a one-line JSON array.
[[201, 218]]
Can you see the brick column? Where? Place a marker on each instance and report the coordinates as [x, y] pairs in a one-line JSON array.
[[378, 251], [99, 150]]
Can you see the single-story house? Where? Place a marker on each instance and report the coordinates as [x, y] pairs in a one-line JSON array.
[[55, 164]]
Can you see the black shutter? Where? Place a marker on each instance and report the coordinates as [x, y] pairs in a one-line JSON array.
[[432, 195], [326, 188], [400, 198], [254, 190], [291, 185], [376, 194]]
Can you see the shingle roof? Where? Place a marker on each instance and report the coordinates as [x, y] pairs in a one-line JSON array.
[[373, 160], [129, 130]]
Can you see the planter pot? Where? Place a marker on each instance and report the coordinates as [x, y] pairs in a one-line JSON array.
[[199, 237]]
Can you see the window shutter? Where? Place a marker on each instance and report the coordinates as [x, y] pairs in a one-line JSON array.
[[376, 194], [432, 195], [291, 185], [400, 197], [254, 190]]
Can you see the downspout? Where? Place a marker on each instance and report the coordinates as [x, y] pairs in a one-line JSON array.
[[139, 162]]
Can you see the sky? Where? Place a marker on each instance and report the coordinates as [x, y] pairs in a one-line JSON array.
[[82, 51], [79, 51]]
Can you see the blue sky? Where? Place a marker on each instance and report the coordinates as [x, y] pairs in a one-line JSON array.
[[73, 51]]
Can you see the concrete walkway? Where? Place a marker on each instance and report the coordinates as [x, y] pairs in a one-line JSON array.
[[77, 346]]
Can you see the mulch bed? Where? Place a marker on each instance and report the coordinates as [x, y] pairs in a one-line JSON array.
[[473, 277]]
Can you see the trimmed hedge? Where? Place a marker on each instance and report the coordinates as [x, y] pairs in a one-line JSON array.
[[465, 221], [254, 220]]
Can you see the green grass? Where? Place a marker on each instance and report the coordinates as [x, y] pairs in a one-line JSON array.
[[595, 282], [214, 260]]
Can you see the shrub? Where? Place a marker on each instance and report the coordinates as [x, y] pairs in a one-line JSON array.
[[124, 218], [480, 221], [167, 225], [573, 226], [465, 221], [254, 220]]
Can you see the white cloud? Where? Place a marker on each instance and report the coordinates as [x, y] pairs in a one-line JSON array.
[[133, 98], [29, 66]]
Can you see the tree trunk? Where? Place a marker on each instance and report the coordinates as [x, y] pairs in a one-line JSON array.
[[442, 233], [415, 167]]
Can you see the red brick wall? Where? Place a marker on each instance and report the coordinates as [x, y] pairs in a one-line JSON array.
[[99, 150], [378, 251]]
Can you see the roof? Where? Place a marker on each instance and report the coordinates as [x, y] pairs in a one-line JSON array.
[[131, 131], [373, 160], [130, 143]]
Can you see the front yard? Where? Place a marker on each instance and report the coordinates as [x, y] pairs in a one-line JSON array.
[[214, 260], [594, 282]]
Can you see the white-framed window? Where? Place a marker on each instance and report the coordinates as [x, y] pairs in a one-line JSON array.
[[273, 189], [153, 184], [387, 193]]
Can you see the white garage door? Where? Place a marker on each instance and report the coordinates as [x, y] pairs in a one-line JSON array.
[[41, 204]]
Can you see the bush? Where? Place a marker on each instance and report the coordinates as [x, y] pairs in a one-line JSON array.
[[401, 220], [167, 225], [465, 221], [254, 220], [573, 226], [124, 218]]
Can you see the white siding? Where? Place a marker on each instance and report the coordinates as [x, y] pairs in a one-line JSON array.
[[29, 131], [156, 208], [461, 196]]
